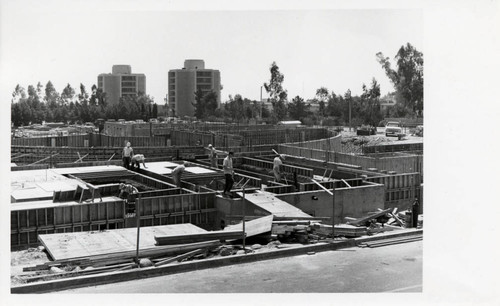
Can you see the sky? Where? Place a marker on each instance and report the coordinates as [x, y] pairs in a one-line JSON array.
[[313, 47]]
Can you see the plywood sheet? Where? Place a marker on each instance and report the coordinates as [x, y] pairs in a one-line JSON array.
[[49, 204], [87, 169], [65, 185], [31, 176], [73, 245], [268, 202], [199, 170], [253, 227], [160, 167]]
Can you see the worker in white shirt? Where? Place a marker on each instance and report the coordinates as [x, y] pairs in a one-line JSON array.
[[227, 167], [212, 156], [177, 173], [127, 154], [277, 163], [137, 159]]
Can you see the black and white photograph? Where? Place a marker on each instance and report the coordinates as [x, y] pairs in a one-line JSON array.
[[266, 153]]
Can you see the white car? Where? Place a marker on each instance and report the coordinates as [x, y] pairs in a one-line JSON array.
[[393, 128]]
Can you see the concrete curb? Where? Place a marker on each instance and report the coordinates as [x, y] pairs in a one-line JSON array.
[[120, 276]]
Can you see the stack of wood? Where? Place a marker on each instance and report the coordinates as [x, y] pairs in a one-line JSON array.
[[292, 229], [380, 221]]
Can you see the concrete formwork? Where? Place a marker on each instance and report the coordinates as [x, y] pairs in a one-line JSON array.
[[349, 202]]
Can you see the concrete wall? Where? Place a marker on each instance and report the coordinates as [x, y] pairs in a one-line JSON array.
[[349, 202]]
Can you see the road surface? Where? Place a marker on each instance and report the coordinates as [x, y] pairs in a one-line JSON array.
[[396, 268]]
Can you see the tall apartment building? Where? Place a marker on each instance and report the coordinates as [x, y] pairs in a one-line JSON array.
[[121, 82], [183, 83]]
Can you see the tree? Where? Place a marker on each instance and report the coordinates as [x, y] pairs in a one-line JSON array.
[[18, 94], [198, 103], [155, 111], [408, 78], [370, 108], [67, 94], [235, 107], [277, 94], [205, 104], [322, 94], [51, 96], [298, 109]]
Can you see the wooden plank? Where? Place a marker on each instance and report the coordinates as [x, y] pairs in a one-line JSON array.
[[199, 237], [372, 216], [179, 257], [254, 227], [268, 202]]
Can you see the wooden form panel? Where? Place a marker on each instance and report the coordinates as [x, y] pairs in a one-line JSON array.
[[198, 209], [26, 224], [329, 184], [399, 186], [285, 168]]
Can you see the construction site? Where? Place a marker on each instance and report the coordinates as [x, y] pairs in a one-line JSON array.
[[71, 225]]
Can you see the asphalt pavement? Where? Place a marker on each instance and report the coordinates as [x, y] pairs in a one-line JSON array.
[[394, 268]]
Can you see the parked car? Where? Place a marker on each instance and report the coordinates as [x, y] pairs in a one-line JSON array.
[[366, 130], [393, 129]]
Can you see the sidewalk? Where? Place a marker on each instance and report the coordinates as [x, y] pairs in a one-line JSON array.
[[138, 273]]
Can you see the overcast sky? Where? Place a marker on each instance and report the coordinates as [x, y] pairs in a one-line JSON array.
[[334, 48]]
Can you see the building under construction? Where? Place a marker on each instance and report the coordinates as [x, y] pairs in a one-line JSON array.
[[71, 184]]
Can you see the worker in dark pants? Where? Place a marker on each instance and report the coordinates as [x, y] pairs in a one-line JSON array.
[[127, 154], [227, 167], [415, 210]]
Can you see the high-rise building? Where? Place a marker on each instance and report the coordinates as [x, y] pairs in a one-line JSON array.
[[183, 83], [121, 82]]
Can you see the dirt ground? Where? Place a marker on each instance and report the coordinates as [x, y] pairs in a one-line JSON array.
[[351, 143], [25, 258]]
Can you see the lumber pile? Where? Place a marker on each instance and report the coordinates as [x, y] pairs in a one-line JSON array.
[[199, 237], [125, 256], [391, 241]]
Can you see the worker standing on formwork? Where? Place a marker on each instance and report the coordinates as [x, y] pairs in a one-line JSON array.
[[137, 159], [127, 154], [277, 163], [177, 173], [126, 190], [212, 156], [415, 210], [227, 167]]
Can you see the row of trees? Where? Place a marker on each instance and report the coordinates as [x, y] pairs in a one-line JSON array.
[[38, 105], [333, 109]]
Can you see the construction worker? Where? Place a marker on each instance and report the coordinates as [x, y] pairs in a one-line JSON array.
[[277, 163], [127, 154], [212, 156], [415, 210], [137, 159], [126, 189], [227, 167], [177, 173]]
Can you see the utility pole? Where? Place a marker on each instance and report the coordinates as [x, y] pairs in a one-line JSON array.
[[261, 103], [350, 102]]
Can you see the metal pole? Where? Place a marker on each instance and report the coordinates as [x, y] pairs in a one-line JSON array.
[[244, 234], [333, 204], [261, 102], [138, 217], [350, 114], [333, 210]]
